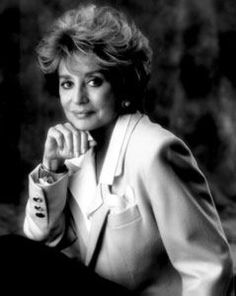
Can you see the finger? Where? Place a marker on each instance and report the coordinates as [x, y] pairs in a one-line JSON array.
[[84, 142], [91, 141], [55, 135], [76, 139], [68, 139]]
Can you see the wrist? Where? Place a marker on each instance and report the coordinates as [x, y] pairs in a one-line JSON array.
[[46, 176], [54, 166]]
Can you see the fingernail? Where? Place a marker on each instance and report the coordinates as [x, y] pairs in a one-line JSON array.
[[92, 143]]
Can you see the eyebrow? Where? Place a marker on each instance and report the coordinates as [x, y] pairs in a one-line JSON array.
[[98, 71], [64, 76]]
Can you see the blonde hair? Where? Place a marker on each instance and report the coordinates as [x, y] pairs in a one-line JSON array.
[[106, 32]]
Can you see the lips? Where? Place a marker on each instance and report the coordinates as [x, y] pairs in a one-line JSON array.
[[82, 114]]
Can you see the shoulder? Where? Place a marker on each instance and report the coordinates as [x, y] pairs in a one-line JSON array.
[[150, 142], [153, 149], [148, 137]]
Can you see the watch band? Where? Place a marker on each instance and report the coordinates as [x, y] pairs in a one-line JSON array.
[[45, 175]]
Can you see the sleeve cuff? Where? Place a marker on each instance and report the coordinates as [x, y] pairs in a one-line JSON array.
[[46, 177]]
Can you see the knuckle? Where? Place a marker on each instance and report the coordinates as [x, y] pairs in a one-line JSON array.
[[67, 133], [58, 135], [77, 133], [68, 125], [51, 130], [58, 126]]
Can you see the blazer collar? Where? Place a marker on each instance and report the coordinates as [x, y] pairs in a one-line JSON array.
[[112, 168], [87, 195], [113, 162]]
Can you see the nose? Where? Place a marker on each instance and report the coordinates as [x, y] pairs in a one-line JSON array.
[[80, 95]]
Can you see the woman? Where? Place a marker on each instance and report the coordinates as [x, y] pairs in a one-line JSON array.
[[117, 192]]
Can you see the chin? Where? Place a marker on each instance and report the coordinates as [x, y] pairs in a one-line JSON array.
[[83, 126]]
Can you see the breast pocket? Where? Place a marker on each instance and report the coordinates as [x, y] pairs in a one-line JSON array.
[[123, 208], [124, 218]]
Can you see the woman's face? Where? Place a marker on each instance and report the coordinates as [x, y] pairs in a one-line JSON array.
[[86, 95]]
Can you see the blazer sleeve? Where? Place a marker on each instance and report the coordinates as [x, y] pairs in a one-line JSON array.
[[44, 214], [188, 222]]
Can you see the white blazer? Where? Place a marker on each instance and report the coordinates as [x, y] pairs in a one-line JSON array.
[[153, 224]]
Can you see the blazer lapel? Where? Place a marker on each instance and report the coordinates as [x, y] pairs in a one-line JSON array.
[[96, 232], [83, 185], [113, 162], [112, 168]]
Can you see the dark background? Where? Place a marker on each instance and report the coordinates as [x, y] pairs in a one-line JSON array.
[[192, 91]]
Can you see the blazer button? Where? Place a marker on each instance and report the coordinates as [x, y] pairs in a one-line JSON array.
[[38, 208], [37, 199], [40, 215]]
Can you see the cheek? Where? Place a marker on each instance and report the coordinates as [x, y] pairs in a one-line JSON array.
[[63, 100], [113, 105], [109, 101], [108, 108], [62, 104]]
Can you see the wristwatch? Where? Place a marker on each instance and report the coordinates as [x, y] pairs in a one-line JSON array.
[[47, 176]]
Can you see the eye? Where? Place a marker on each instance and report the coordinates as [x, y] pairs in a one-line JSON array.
[[67, 84], [95, 81]]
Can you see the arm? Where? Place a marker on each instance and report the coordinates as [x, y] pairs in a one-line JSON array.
[[188, 222], [44, 219]]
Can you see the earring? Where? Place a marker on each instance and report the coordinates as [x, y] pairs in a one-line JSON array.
[[125, 104]]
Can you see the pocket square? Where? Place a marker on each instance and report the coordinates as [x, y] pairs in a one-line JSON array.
[[119, 203]]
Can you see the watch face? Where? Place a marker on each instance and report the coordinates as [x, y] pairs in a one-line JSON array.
[[45, 176]]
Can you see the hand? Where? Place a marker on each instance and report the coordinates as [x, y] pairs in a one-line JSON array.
[[63, 142]]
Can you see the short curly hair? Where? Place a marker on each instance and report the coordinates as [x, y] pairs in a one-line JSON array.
[[112, 37]]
